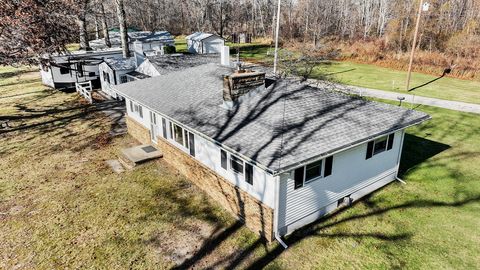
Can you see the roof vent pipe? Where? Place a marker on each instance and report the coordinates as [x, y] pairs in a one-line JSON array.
[[225, 56]]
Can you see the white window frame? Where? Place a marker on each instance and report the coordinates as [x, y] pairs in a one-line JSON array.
[[322, 168], [185, 140], [136, 108], [231, 159], [381, 139]]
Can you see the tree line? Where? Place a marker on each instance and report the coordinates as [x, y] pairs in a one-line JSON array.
[[449, 25]]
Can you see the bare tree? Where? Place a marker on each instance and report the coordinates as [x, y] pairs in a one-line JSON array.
[[122, 20], [82, 24], [106, 36]]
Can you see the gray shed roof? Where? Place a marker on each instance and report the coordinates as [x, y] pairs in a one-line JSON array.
[[165, 64], [137, 75], [145, 36], [199, 36], [311, 122], [121, 63]]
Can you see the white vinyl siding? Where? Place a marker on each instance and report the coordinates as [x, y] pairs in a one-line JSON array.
[[351, 173]]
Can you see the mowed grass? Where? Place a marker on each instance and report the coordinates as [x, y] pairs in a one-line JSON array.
[[375, 77], [62, 207], [371, 76]]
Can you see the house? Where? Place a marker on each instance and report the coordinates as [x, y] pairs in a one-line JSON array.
[[117, 71], [63, 71], [277, 154], [114, 72], [204, 43], [152, 40]]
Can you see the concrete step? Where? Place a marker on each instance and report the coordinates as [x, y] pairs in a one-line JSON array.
[[133, 156], [126, 163]]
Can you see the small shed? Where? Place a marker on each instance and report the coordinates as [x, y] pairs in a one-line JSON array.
[[204, 43], [114, 72]]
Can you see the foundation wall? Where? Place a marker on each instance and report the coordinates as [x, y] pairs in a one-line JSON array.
[[256, 215]]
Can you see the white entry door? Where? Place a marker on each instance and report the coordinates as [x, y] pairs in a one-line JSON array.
[[154, 128]]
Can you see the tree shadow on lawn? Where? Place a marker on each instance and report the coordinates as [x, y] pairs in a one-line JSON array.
[[9, 74], [57, 122], [417, 150]]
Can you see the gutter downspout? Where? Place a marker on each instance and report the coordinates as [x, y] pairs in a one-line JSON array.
[[399, 158], [275, 212]]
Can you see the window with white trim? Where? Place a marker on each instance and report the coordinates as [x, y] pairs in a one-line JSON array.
[[137, 109], [178, 134], [236, 164], [313, 171], [379, 145]]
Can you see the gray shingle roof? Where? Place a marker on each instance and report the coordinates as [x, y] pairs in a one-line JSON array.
[[199, 36], [138, 75], [145, 36], [165, 64], [317, 121], [121, 63]]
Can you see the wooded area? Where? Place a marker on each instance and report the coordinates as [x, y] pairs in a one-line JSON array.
[[366, 30]]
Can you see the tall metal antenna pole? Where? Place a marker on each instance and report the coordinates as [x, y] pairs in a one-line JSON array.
[[276, 39], [412, 54]]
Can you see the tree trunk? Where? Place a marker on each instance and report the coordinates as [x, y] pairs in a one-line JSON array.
[[106, 37], [82, 26], [123, 28], [97, 28]]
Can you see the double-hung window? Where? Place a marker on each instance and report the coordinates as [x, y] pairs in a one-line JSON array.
[[137, 109], [178, 134], [237, 165], [313, 171], [379, 145], [123, 79]]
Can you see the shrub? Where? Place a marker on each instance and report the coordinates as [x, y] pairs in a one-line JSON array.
[[169, 49]]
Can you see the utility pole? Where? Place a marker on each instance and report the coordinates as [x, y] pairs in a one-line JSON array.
[[276, 39], [414, 45]]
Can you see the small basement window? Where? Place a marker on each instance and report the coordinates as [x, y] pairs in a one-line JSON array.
[[380, 145], [236, 164]]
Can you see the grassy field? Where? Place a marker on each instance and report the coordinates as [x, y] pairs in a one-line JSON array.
[[62, 207], [370, 76]]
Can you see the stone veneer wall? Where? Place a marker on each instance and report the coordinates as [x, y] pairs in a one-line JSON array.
[[138, 131], [256, 215]]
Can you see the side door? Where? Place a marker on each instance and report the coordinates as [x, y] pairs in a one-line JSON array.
[[154, 128]]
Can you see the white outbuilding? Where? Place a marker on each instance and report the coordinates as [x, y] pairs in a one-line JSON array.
[[113, 72], [204, 43]]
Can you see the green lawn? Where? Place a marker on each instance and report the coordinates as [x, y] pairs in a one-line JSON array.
[[371, 76], [62, 207], [375, 77]]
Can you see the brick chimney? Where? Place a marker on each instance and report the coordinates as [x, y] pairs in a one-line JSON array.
[[241, 83]]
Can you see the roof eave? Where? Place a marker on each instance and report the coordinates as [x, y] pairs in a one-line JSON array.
[[345, 147]]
